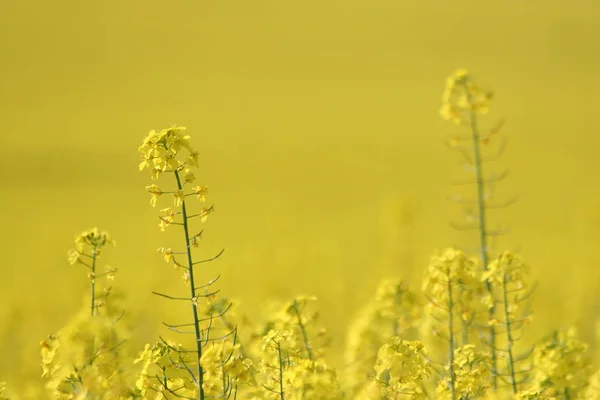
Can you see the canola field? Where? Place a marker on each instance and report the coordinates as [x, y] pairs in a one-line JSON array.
[[350, 200]]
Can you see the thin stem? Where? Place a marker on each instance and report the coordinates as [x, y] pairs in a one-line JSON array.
[[281, 396], [451, 339], [303, 330], [483, 245], [192, 293], [224, 380], [93, 268], [509, 338]]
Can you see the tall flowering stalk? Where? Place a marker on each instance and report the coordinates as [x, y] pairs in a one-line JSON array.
[[463, 102], [83, 359], [507, 276], [169, 152], [452, 286], [88, 246]]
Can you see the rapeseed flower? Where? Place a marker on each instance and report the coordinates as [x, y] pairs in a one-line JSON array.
[[402, 367], [462, 98]]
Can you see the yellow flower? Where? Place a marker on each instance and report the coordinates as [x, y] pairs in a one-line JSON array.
[[167, 254], [178, 198], [462, 98], [195, 240], [155, 191], [403, 366], [193, 158], [110, 273], [159, 150], [471, 375], [200, 192], [562, 364], [205, 212], [74, 256], [167, 219], [189, 177], [278, 337]]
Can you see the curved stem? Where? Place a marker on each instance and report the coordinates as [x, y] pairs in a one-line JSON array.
[[190, 268]]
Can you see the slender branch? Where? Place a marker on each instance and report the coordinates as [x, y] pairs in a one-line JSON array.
[[170, 297], [210, 259]]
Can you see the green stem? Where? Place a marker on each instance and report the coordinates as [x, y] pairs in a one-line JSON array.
[[451, 338], [192, 293], [94, 257], [303, 330], [509, 338], [483, 240], [231, 328], [224, 379], [281, 396]]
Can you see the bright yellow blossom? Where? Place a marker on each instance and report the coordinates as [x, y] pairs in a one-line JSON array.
[[462, 98], [200, 192], [155, 191]]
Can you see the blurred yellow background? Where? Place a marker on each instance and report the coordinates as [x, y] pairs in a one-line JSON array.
[[320, 140]]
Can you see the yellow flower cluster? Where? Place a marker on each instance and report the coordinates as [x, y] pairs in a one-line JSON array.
[[222, 362], [509, 287], [462, 98], [93, 241], [451, 267], [84, 361], [393, 311], [562, 366], [453, 286], [311, 379], [402, 368], [159, 376], [162, 152], [88, 246], [471, 375], [285, 372], [296, 316]]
